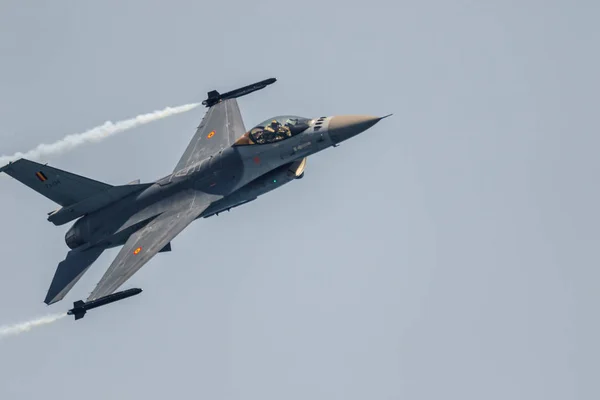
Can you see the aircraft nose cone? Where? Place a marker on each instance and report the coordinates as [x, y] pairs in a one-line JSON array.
[[346, 126]]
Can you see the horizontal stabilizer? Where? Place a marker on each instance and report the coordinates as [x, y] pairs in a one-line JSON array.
[[94, 203], [60, 186], [69, 271], [214, 97]]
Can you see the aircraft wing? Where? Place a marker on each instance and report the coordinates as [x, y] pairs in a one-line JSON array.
[[221, 125], [219, 128], [149, 240]]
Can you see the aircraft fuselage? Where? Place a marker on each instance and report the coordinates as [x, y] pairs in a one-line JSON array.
[[235, 175], [223, 166]]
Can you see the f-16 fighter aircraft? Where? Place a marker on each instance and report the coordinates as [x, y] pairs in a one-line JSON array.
[[224, 166]]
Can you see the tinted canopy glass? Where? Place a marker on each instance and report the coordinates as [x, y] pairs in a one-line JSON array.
[[278, 128]]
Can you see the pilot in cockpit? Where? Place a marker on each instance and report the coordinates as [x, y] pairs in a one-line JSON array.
[[273, 127], [272, 131]]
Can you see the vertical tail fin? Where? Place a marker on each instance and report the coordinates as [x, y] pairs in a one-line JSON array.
[[60, 186]]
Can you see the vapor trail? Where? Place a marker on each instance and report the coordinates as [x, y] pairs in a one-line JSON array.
[[96, 134], [19, 328]]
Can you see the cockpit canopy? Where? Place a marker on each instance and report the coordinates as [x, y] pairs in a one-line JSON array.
[[275, 129]]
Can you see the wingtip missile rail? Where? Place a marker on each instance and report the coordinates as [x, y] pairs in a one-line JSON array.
[[80, 307], [214, 97]]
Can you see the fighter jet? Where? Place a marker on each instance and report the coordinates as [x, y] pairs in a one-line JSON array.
[[224, 166]]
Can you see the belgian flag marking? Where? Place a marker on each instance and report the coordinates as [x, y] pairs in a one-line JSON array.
[[40, 175]]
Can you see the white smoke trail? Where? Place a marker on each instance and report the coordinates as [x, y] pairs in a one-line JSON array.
[[16, 329], [96, 134]]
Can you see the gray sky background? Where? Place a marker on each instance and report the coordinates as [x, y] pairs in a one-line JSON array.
[[449, 252]]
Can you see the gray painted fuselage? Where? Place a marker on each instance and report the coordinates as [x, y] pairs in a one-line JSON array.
[[237, 174], [223, 166]]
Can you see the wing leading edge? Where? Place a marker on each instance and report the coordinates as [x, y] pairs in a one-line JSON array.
[[148, 241], [219, 128], [221, 125]]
